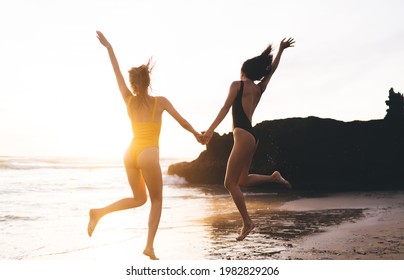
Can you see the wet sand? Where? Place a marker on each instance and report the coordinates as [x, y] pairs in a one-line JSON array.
[[349, 226], [346, 226], [377, 235]]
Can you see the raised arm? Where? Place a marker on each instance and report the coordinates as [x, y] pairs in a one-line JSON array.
[[125, 92], [183, 122], [282, 46], [234, 87]]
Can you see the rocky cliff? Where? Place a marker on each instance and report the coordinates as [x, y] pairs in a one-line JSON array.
[[313, 153]]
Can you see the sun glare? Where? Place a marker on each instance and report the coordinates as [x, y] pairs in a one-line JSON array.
[[59, 94]]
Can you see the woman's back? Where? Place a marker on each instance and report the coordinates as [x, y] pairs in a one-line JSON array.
[[251, 97], [146, 124], [150, 111]]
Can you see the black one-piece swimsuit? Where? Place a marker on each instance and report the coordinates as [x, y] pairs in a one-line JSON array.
[[240, 119]]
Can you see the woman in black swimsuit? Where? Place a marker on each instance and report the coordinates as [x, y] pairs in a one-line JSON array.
[[243, 97]]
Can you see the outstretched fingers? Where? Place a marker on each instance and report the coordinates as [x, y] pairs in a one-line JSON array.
[[102, 39], [291, 42], [287, 43]]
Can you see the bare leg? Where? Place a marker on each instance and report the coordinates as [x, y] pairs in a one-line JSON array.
[[248, 180], [241, 155], [256, 179], [139, 196], [148, 161]]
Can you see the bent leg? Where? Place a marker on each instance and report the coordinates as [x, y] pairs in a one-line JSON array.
[[248, 180], [139, 198], [149, 163], [240, 156]]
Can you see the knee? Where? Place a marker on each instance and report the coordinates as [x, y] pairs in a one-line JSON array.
[[229, 184], [156, 203], [141, 199], [243, 182], [156, 197]]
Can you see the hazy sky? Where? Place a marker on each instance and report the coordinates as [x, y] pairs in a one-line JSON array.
[[58, 94]]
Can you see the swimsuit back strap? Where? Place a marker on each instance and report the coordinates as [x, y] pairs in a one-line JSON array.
[[154, 108]]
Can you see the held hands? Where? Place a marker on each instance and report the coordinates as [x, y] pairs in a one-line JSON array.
[[103, 40], [204, 138], [286, 43], [199, 137]]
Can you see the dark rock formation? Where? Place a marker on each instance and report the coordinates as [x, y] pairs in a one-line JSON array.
[[396, 106], [313, 153]]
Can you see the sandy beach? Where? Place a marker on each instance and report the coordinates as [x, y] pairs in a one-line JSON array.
[[47, 219], [345, 226], [378, 235]]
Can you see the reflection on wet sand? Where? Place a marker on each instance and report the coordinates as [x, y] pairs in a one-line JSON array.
[[275, 231]]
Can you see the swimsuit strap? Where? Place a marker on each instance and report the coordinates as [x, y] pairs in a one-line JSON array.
[[154, 108]]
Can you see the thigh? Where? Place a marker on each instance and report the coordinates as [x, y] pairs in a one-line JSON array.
[[246, 168], [134, 175], [240, 156], [149, 162]]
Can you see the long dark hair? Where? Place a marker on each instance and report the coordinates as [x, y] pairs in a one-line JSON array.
[[258, 67]]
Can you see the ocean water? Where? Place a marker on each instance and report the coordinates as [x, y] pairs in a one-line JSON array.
[[45, 202]]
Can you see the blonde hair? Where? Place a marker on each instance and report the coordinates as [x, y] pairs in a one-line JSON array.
[[139, 78]]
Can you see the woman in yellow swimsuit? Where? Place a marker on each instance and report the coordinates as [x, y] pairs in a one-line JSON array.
[[141, 160]]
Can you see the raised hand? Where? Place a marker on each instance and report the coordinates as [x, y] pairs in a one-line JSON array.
[[287, 43], [103, 40]]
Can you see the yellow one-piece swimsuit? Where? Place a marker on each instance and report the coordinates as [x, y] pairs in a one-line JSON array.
[[145, 134]]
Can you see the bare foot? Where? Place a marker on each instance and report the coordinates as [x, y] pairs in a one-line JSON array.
[[279, 179], [150, 254], [94, 218], [245, 231]]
